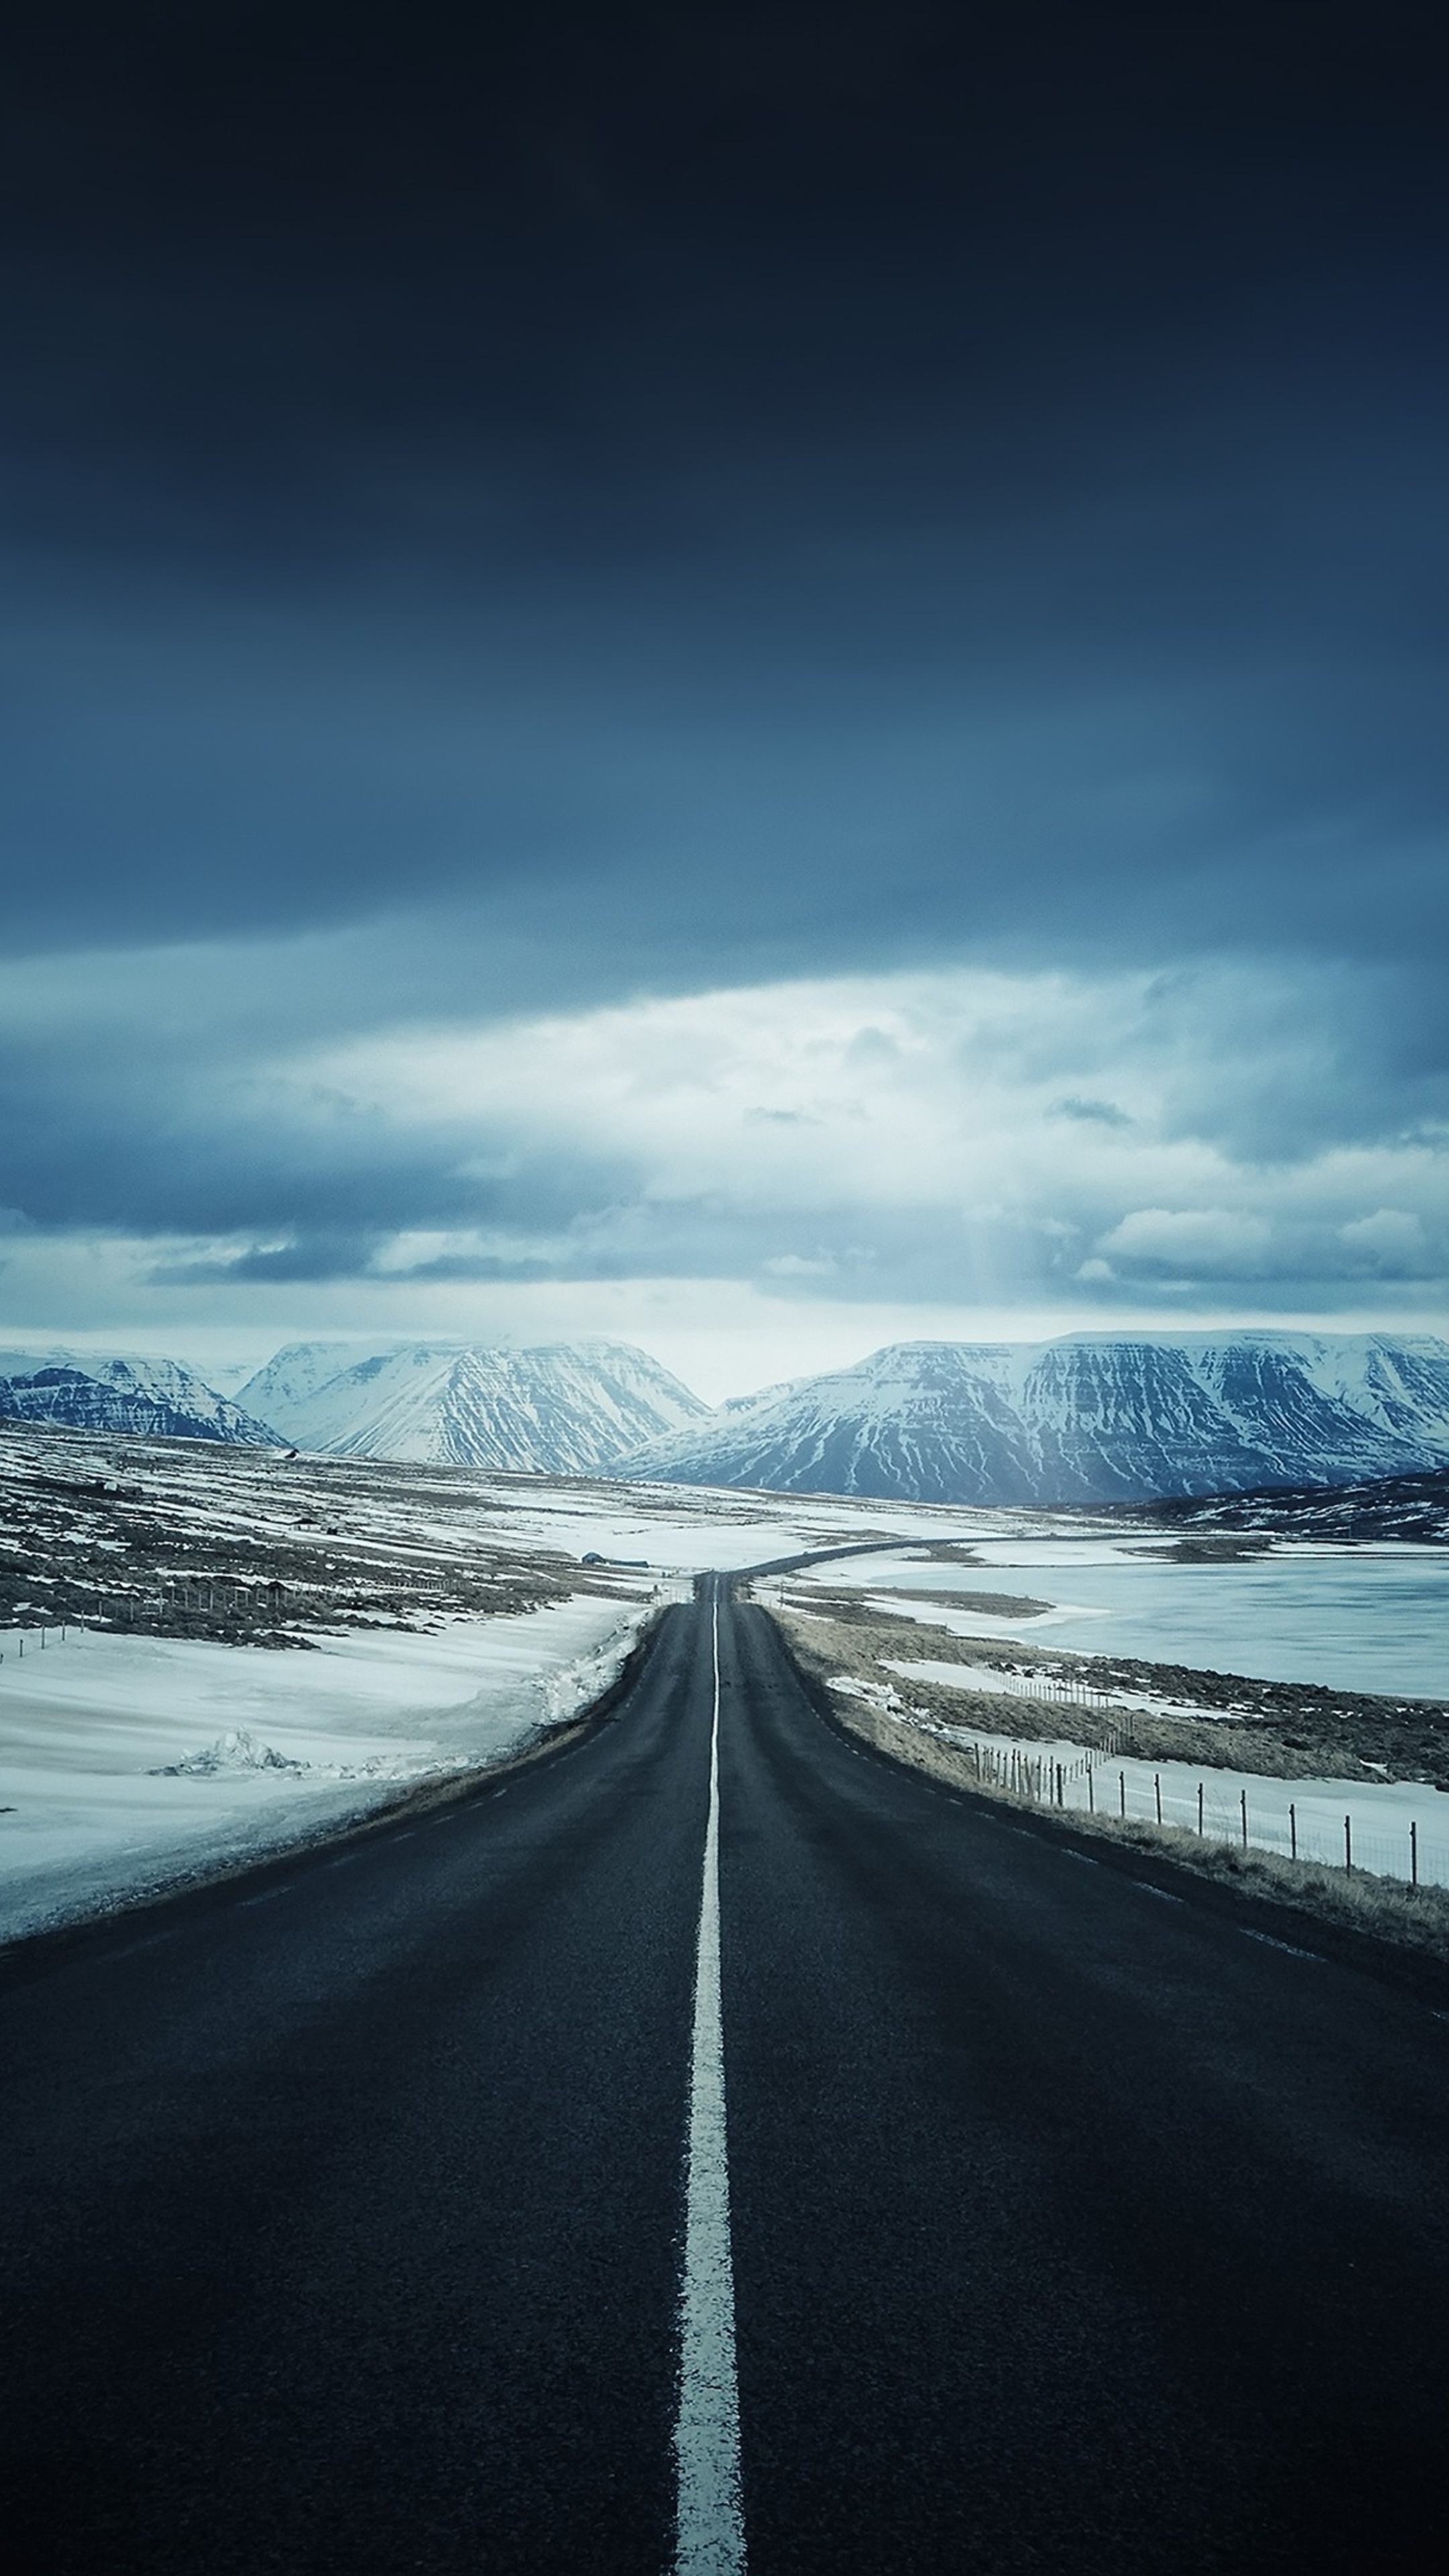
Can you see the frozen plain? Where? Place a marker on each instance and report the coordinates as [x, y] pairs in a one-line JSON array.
[[1350, 1618]]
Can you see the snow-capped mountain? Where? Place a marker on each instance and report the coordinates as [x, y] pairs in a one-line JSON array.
[[1091, 1418], [563, 1408], [152, 1398]]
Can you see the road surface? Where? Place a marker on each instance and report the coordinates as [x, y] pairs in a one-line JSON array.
[[1068, 2222]]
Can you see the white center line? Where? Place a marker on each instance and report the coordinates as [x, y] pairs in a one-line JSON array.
[[1290, 1947], [709, 2522]]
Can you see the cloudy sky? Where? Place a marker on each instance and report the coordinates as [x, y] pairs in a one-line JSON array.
[[758, 677]]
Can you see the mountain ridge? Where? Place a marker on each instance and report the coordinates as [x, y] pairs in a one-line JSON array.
[[553, 1408], [124, 1393], [1086, 1418]]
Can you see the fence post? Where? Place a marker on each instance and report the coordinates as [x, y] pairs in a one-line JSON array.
[[1061, 1786], [1091, 1799], [1348, 1842], [1413, 1853], [1199, 1806], [1157, 1793], [1245, 1819], [1122, 1785], [1292, 1830]]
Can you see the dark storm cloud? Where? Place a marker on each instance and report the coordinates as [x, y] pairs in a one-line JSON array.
[[142, 1128], [958, 474]]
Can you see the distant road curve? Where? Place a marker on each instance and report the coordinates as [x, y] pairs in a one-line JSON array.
[[1040, 2216]]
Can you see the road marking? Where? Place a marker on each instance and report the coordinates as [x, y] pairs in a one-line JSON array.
[[1085, 1858], [709, 2522], [1145, 1887], [1290, 1947], [266, 1897]]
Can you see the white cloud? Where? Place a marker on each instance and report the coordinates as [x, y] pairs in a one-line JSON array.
[[885, 1092], [1215, 1243], [1082, 1116]]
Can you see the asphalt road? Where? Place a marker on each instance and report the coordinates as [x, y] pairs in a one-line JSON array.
[[1074, 2225]]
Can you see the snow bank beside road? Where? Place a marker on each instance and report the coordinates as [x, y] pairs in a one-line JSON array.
[[131, 1762]]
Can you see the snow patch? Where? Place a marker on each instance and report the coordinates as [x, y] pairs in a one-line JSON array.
[[237, 1750]]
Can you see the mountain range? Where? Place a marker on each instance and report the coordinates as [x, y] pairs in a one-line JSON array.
[[1091, 1418]]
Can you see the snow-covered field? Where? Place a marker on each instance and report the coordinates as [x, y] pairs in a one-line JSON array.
[[127, 1762]]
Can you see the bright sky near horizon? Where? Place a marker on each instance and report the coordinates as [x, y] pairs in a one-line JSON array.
[[756, 678]]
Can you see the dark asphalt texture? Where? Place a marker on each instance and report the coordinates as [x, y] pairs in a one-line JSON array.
[[1076, 2226]]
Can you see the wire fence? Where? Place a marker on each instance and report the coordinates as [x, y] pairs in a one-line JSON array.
[[55, 1632], [1062, 1693], [216, 1596], [133, 1605], [206, 1595], [1377, 1832]]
